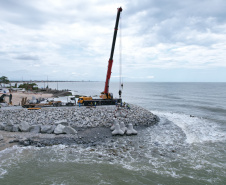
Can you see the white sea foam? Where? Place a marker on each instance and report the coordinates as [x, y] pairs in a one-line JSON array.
[[2, 172], [151, 150], [197, 130]]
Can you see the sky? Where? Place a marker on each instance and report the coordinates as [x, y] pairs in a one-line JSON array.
[[157, 41]]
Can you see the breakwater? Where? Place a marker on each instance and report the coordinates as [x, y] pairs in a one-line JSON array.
[[66, 125]]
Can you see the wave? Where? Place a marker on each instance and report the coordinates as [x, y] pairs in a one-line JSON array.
[[168, 149], [213, 109], [197, 130]]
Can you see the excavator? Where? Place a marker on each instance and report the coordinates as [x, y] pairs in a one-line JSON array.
[[106, 97], [2, 98]]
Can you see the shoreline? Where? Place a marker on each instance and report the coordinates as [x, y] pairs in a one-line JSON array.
[[17, 96], [91, 125], [96, 136]]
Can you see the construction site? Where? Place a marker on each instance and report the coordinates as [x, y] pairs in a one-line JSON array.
[[105, 98], [62, 113]]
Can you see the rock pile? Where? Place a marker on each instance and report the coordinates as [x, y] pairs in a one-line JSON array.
[[65, 120]]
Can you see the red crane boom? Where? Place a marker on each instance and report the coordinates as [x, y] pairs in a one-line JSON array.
[[105, 93]]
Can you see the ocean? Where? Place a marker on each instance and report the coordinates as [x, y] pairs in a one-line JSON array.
[[187, 146]]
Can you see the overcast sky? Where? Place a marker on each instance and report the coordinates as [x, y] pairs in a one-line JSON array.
[[161, 40]]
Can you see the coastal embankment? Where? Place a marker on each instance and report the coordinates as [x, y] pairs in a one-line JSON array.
[[67, 125]]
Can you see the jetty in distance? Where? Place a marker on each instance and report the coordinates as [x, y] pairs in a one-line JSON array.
[[40, 81]]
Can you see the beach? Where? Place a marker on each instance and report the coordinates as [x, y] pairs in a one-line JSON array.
[[17, 96]]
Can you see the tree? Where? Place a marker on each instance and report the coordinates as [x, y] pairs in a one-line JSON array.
[[4, 80], [29, 86]]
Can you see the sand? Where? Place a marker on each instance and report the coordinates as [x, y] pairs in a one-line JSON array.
[[17, 96]]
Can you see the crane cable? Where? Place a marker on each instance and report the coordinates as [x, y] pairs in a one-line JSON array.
[[120, 57]]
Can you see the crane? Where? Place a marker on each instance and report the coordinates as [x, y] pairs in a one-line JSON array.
[[106, 98], [105, 94]]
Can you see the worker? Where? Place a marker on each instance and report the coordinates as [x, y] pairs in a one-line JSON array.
[[95, 103], [79, 104], [128, 106]]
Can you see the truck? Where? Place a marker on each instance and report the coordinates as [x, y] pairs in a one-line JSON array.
[[106, 98], [51, 102], [89, 101], [44, 104]]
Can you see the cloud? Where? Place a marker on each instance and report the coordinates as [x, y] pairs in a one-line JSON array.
[[150, 77], [27, 57], [74, 38]]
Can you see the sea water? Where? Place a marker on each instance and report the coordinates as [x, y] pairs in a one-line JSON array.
[[187, 146]]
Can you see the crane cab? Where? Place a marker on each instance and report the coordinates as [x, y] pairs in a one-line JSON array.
[[108, 96], [84, 98]]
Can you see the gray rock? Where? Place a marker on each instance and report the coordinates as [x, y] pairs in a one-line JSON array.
[[15, 128], [24, 126], [35, 129], [2, 126], [9, 128], [9, 123], [62, 122], [59, 129], [46, 128], [69, 130], [52, 129], [1, 137]]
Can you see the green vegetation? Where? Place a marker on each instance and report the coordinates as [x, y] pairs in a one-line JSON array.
[[29, 86], [4, 80]]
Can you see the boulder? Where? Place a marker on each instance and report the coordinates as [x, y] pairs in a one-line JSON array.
[[9, 128], [2, 126], [52, 129], [15, 128], [46, 129], [35, 129], [69, 130], [59, 129], [24, 126], [9, 123], [62, 122]]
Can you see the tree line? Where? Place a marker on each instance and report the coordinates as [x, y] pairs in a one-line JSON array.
[[28, 86]]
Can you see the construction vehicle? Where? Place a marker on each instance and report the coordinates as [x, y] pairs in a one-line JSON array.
[[2, 98], [106, 97], [66, 100], [54, 102], [46, 104]]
